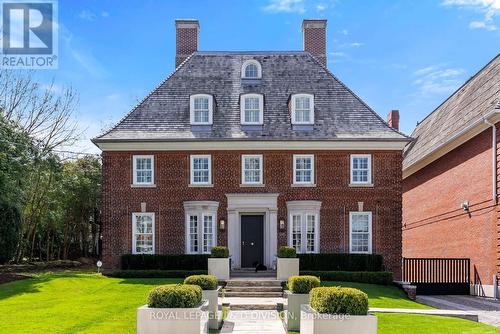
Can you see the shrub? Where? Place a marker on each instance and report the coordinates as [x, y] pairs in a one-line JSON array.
[[175, 296], [371, 277], [10, 225], [156, 273], [337, 300], [163, 262], [205, 282], [302, 284], [341, 262], [286, 252], [220, 252]]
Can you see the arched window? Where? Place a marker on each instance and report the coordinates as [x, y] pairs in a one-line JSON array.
[[251, 70]]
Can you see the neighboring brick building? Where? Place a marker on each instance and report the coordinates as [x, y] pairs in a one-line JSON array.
[[252, 150], [450, 206]]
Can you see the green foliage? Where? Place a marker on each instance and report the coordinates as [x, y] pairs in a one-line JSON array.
[[155, 273], [372, 277], [341, 262], [10, 226], [205, 282], [164, 262], [338, 300], [220, 252], [286, 252], [302, 284], [175, 296]]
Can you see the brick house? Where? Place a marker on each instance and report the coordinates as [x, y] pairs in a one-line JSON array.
[[252, 150], [450, 180]]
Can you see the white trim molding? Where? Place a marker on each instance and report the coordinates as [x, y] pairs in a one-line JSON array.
[[134, 171], [192, 110], [251, 62], [134, 230], [243, 110]]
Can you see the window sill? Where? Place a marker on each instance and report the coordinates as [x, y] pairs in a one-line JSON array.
[[252, 185], [194, 185], [303, 185], [143, 185], [361, 185]]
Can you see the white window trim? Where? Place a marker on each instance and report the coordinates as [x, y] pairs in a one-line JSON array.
[[210, 109], [134, 222], [303, 229], [295, 156], [370, 237], [191, 181], [261, 164], [369, 181], [134, 170], [200, 209], [261, 109], [248, 62], [311, 99]]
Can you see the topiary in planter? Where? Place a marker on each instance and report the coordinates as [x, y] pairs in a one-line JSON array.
[[175, 296], [338, 300], [220, 252], [205, 282], [286, 252], [302, 284]]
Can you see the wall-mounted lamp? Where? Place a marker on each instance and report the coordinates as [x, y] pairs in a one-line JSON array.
[[222, 224], [282, 224], [465, 206]]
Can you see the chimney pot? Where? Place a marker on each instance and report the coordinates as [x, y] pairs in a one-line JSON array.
[[393, 119], [186, 39], [314, 35]]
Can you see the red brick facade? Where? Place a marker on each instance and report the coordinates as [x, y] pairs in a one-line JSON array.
[[435, 225], [332, 173]]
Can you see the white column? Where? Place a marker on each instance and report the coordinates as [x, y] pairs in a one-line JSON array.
[[233, 237], [273, 236]]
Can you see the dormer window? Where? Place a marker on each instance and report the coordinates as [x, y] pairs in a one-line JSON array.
[[251, 70], [302, 109], [252, 106], [201, 106]]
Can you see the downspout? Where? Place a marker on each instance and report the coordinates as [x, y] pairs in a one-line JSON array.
[[493, 159]]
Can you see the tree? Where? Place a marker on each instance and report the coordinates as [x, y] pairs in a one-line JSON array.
[[10, 225]]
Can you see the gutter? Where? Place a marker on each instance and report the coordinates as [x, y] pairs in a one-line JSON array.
[[493, 159]]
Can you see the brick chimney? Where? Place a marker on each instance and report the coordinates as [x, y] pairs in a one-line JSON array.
[[314, 35], [186, 39], [393, 119]]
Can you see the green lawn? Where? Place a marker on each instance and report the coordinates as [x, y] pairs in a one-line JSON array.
[[72, 302]]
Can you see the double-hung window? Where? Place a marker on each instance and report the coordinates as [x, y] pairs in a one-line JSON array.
[[303, 169], [200, 232], [302, 109], [361, 169], [143, 170], [360, 232], [143, 236], [252, 106], [304, 231], [201, 106], [251, 169], [201, 170]]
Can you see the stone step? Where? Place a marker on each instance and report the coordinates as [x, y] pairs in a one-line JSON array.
[[253, 294], [249, 282], [239, 307], [249, 273], [254, 288]]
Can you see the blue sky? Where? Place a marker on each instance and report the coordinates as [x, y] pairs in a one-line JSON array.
[[406, 55]]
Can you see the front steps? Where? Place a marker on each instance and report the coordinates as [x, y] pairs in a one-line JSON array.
[[250, 273], [259, 293]]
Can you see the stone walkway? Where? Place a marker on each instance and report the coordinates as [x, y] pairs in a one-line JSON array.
[[488, 310], [253, 322], [469, 315]]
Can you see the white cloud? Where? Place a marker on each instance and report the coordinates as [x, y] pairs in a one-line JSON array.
[[355, 44], [105, 14], [488, 8], [285, 6], [320, 7], [437, 79], [345, 32], [87, 15]]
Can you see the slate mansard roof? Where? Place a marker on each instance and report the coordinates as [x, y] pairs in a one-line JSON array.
[[164, 114]]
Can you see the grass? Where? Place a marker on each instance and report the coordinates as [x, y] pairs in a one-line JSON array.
[[72, 302]]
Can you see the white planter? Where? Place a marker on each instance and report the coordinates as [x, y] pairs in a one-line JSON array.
[[294, 300], [287, 267], [219, 267], [312, 322], [212, 296], [173, 320]]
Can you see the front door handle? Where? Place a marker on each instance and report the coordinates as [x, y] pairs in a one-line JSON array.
[[251, 244], [243, 243]]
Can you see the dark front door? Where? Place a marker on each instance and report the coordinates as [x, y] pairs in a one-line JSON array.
[[252, 241]]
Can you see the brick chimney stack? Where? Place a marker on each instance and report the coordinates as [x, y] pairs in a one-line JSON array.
[[186, 39], [393, 119], [314, 35]]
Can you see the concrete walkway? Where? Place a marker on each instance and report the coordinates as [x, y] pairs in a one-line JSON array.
[[253, 322], [253, 303], [488, 310]]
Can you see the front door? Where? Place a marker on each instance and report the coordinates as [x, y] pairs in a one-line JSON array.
[[252, 240]]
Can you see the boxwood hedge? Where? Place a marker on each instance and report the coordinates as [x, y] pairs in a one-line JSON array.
[[175, 296], [302, 284], [205, 282], [341, 262], [163, 262], [338, 300]]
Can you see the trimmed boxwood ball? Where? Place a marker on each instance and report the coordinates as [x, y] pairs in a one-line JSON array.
[[205, 282], [220, 252], [286, 252], [175, 296], [338, 300], [302, 284]]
